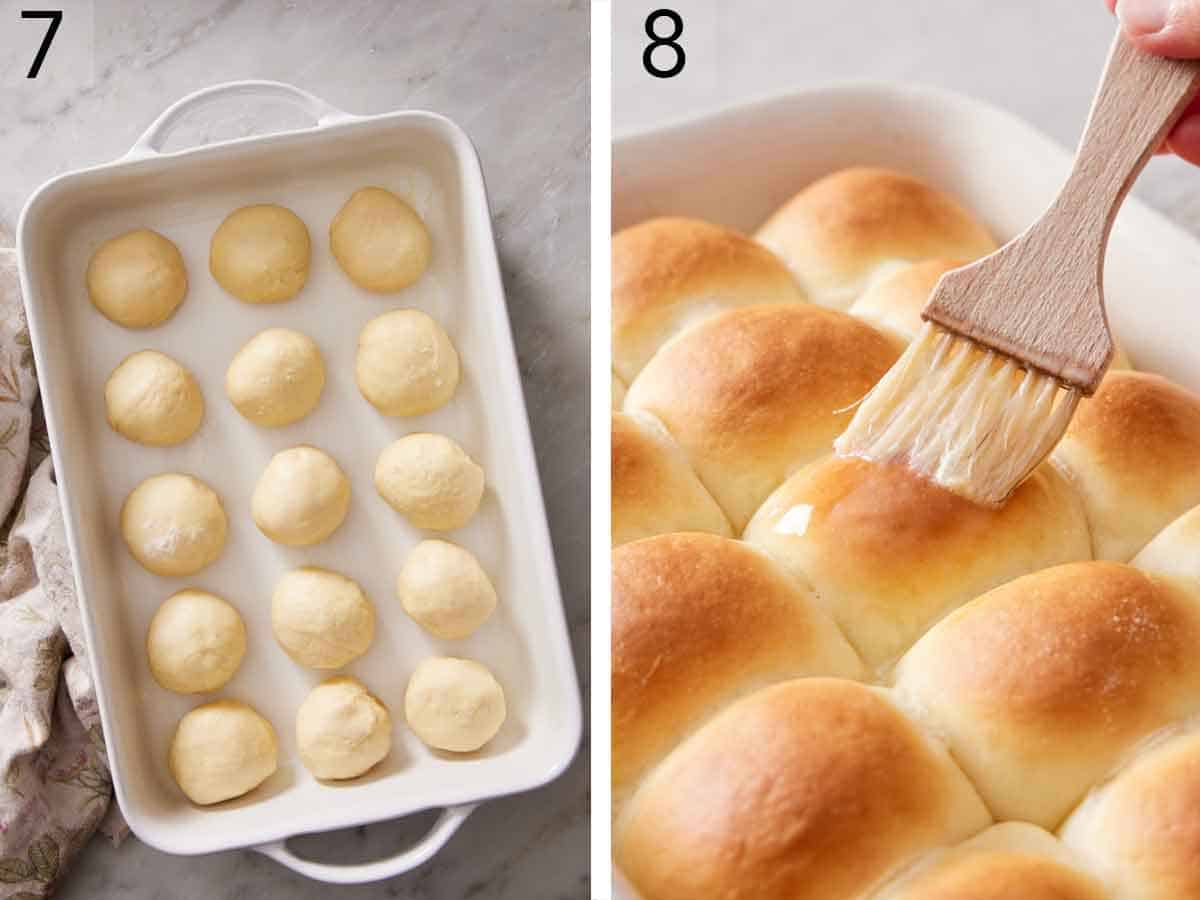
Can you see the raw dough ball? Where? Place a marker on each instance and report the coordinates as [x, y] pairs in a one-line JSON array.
[[379, 241], [138, 279], [322, 619], [222, 750], [195, 643], [430, 480], [152, 399], [277, 378], [445, 590], [454, 704], [260, 254], [406, 365], [301, 497], [173, 524], [342, 730]]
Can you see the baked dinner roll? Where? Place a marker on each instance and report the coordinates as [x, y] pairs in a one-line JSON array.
[[697, 620], [843, 233], [813, 789], [1175, 550], [654, 490], [1133, 451], [1139, 832], [889, 553], [753, 394], [895, 301], [1009, 861], [668, 273], [1039, 686]]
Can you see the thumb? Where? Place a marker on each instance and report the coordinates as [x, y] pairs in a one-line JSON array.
[[1165, 27]]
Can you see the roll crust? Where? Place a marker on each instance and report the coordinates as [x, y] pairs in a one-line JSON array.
[[889, 552], [1133, 451], [1140, 833], [849, 229], [813, 789], [895, 302], [654, 490], [1010, 861], [697, 620], [1040, 685], [669, 272], [753, 394]]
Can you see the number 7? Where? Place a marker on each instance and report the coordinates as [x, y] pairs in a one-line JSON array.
[[55, 17]]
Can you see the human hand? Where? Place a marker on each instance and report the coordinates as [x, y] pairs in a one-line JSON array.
[[1168, 28]]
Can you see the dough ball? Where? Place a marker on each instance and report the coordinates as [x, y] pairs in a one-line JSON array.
[[277, 378], [429, 480], [260, 254], [195, 643], [152, 399], [454, 704], [379, 241], [342, 730], [445, 590], [173, 524], [323, 620], [406, 365], [301, 497], [138, 279], [222, 750]]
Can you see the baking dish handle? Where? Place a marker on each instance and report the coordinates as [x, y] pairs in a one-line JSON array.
[[150, 143], [441, 832]]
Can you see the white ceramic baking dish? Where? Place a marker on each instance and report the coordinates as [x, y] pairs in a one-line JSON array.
[[430, 161], [737, 165]]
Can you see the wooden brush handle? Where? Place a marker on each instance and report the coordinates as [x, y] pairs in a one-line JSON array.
[[1140, 97], [1040, 297]]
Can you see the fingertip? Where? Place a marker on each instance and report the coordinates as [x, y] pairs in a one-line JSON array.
[[1184, 139]]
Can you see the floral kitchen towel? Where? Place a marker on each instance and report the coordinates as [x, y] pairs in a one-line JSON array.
[[55, 787]]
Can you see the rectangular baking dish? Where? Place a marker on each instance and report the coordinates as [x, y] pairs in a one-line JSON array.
[[737, 165], [185, 195]]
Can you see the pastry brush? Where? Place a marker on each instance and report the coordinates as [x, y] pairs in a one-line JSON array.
[[1013, 341]]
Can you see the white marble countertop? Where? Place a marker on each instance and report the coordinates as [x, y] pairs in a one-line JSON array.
[[515, 76], [1040, 59]]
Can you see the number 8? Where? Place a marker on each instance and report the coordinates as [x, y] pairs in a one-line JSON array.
[[667, 41]]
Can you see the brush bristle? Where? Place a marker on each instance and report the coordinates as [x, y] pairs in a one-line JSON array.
[[970, 419]]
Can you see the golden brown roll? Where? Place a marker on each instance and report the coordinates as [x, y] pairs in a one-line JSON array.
[[670, 272], [753, 394], [843, 233], [1140, 832], [814, 789], [1039, 686], [696, 621], [895, 301], [618, 392], [889, 553], [1009, 861], [654, 490], [1133, 451], [1175, 550]]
